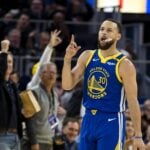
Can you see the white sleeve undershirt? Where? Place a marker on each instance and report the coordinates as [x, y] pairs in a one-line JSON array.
[[45, 58]]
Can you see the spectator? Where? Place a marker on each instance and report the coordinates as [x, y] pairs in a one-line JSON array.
[[14, 36], [40, 127], [45, 58], [58, 18], [52, 6], [79, 10], [6, 24], [23, 24], [10, 108], [37, 46], [37, 9], [58, 23], [42, 84], [37, 12], [129, 135], [70, 131]]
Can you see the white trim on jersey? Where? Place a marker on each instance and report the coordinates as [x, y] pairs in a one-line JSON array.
[[122, 101], [120, 122]]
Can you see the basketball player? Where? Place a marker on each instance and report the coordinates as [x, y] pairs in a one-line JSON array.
[[109, 78]]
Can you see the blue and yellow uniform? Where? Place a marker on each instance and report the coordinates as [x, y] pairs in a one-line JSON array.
[[104, 98]]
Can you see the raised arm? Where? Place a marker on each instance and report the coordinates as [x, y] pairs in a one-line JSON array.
[[128, 74], [46, 57], [70, 77], [5, 46]]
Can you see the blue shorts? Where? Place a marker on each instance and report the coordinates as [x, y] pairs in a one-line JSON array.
[[102, 131]]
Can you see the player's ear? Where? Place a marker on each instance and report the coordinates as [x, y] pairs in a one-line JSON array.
[[118, 36]]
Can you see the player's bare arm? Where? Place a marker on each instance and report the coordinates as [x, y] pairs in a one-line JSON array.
[[128, 75], [78, 71], [70, 77]]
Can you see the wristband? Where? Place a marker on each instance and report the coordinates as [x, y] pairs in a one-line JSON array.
[[137, 137]]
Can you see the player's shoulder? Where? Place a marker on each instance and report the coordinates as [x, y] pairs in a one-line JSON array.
[[126, 66], [126, 62], [87, 53]]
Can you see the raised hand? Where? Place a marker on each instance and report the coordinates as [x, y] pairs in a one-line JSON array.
[[55, 39], [5, 46], [72, 48]]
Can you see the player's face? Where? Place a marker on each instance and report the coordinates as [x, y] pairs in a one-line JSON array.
[[108, 35]]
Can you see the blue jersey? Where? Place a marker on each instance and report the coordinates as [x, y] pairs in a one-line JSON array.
[[103, 88]]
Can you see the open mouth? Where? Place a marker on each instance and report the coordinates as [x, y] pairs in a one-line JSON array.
[[103, 39]]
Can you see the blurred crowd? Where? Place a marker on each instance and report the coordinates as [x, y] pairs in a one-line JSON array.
[[145, 119], [30, 38], [29, 24]]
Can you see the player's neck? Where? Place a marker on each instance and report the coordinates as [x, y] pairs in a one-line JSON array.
[[109, 52]]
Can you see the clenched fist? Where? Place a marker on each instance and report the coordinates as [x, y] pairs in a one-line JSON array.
[[5, 45]]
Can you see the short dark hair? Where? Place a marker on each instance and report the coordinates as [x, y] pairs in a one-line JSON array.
[[69, 119], [119, 25]]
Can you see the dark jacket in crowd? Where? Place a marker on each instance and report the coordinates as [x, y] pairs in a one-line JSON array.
[[9, 99], [61, 143]]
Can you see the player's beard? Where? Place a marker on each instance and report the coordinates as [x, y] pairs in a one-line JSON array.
[[105, 46]]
